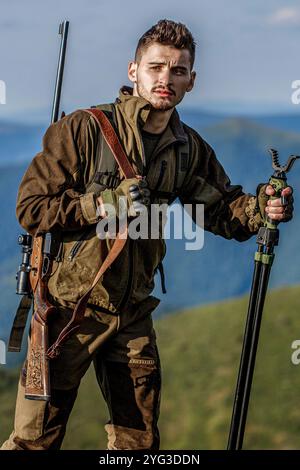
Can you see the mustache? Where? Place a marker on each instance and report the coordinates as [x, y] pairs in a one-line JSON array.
[[160, 88]]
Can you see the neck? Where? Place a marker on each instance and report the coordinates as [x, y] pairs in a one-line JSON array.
[[157, 121]]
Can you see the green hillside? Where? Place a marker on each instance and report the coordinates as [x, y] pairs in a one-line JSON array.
[[200, 351]]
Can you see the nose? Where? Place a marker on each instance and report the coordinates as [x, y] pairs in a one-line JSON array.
[[165, 76]]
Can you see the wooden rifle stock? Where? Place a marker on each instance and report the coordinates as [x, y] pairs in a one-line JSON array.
[[37, 376]]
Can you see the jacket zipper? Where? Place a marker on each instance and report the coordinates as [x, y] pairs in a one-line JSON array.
[[163, 167]]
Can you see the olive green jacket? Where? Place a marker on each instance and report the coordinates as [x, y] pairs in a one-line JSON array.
[[52, 197]]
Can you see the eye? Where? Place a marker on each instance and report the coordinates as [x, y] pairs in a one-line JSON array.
[[180, 72]]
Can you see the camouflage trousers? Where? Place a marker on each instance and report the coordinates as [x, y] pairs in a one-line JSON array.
[[123, 349]]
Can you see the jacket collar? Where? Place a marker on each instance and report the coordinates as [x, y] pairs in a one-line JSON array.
[[137, 109]]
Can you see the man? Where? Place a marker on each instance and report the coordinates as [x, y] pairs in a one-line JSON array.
[[60, 193]]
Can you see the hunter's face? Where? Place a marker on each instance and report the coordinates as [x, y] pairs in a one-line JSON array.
[[163, 75]]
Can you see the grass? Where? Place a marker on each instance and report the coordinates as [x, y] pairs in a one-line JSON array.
[[200, 350]]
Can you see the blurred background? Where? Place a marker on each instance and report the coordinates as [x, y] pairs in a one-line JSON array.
[[243, 103]]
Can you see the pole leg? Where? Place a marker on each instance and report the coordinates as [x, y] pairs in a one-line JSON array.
[[265, 274], [239, 398]]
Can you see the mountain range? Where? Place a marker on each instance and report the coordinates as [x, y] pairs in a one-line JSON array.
[[223, 268]]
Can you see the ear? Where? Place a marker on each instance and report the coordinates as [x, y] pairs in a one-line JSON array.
[[132, 69], [192, 81]]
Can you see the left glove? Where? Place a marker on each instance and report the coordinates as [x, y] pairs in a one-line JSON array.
[[262, 200]]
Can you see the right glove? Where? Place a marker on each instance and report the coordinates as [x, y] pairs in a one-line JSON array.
[[140, 196], [132, 191]]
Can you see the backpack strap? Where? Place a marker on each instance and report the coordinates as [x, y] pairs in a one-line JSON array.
[[106, 168], [113, 142], [116, 148]]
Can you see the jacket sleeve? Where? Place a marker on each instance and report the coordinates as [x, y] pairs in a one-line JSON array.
[[49, 196], [228, 211]]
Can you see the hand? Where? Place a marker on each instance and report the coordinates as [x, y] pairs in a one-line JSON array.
[[275, 210], [134, 189], [140, 195]]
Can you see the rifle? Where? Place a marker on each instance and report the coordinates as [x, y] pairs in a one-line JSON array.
[[43, 248]]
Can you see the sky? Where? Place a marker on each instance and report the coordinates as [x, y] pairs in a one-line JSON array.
[[247, 52]]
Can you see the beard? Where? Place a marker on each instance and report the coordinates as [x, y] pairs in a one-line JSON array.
[[157, 103]]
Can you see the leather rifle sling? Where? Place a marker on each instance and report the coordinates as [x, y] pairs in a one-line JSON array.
[[115, 146]]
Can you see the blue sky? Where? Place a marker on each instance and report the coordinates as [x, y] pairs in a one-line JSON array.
[[247, 57]]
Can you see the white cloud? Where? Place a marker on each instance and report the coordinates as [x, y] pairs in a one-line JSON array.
[[285, 16]]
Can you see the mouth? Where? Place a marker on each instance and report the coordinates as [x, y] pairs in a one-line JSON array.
[[165, 93]]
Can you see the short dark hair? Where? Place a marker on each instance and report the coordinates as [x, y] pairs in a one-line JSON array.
[[169, 33]]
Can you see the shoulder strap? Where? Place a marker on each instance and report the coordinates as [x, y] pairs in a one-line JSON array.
[[114, 144], [19, 324]]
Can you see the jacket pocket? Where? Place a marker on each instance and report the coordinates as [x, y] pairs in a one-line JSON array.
[[78, 244], [83, 254]]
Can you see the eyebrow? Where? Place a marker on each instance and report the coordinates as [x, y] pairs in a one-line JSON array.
[[182, 67]]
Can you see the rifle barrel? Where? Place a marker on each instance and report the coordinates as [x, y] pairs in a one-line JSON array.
[[63, 31]]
